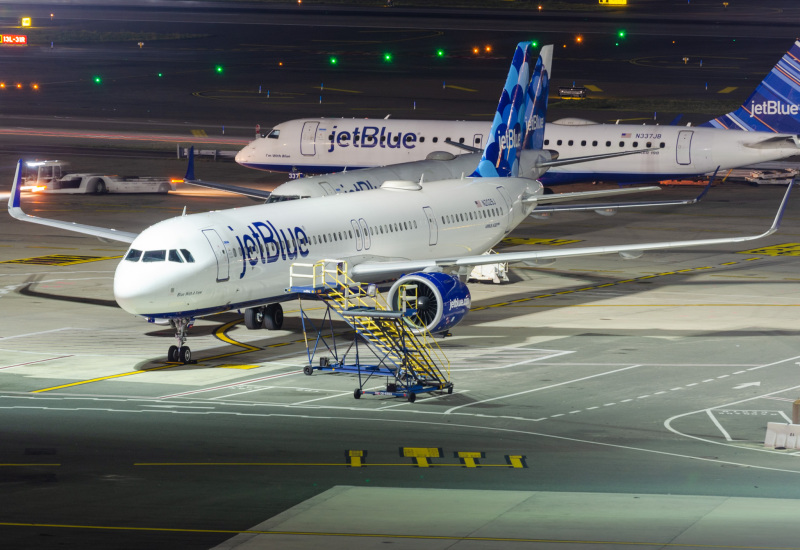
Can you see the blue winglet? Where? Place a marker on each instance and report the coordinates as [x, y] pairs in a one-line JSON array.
[[13, 198], [190, 166], [519, 119]]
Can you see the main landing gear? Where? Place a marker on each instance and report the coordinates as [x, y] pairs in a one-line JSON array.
[[269, 317], [180, 353]]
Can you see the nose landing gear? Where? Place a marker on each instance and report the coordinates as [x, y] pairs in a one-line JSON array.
[[180, 353]]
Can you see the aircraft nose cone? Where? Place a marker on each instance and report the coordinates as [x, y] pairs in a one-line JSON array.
[[133, 292]]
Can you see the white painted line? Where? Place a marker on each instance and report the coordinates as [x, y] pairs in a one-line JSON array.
[[34, 362], [675, 389], [237, 394], [231, 385], [609, 404], [643, 396], [659, 393], [692, 384], [340, 394], [626, 400], [574, 412], [785, 416], [556, 415], [718, 425], [550, 355], [709, 380], [740, 372], [591, 408], [4, 338], [723, 376], [449, 411]]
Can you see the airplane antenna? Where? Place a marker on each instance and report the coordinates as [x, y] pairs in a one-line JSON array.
[[184, 211], [421, 177], [462, 175], [617, 122], [387, 116]]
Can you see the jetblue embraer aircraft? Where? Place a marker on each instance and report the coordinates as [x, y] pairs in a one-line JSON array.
[[317, 146], [200, 264]]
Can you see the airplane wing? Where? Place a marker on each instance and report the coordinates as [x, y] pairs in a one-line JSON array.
[[579, 195], [246, 191], [608, 209], [628, 250], [103, 233]]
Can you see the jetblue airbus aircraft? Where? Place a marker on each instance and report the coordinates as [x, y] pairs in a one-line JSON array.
[[318, 146], [200, 264]]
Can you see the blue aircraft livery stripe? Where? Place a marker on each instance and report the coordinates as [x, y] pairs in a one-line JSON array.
[[501, 154], [775, 104]]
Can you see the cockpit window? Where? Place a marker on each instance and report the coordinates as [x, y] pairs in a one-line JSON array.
[[175, 257], [274, 134], [187, 255], [133, 255], [154, 255]]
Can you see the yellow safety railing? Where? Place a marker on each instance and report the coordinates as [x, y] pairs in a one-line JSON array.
[[330, 276]]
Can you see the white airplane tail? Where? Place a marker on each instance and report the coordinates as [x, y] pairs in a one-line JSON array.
[[775, 104], [519, 121]]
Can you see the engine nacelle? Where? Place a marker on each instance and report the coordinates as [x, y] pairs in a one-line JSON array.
[[441, 300]]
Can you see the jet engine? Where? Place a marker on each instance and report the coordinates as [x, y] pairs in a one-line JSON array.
[[440, 300]]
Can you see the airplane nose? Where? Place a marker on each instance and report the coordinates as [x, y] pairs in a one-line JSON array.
[[134, 292]]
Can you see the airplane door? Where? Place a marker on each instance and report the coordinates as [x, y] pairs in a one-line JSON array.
[[507, 199], [477, 141], [220, 253], [365, 232], [433, 229], [357, 233], [683, 148], [308, 138]]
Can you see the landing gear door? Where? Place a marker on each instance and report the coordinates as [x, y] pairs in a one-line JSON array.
[[683, 149], [308, 138], [220, 253], [433, 229]]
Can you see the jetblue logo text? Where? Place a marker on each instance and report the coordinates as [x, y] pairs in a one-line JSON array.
[[372, 136], [773, 107], [266, 244]]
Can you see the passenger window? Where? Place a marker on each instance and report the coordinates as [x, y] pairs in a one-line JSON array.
[[422, 140], [133, 255], [622, 144], [649, 144], [636, 144], [175, 257], [583, 142], [594, 143], [461, 140], [569, 143], [436, 140], [154, 256], [558, 142], [608, 144], [547, 142], [662, 145], [477, 141]]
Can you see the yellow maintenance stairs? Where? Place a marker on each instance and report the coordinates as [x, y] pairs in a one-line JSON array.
[[385, 343]]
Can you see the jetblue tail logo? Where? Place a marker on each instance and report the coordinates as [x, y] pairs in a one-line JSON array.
[[774, 105], [520, 115]]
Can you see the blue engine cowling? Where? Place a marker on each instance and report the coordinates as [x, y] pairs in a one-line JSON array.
[[441, 300]]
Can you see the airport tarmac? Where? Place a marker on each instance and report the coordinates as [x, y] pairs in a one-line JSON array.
[[655, 376]]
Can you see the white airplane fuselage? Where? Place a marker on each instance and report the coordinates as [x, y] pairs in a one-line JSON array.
[[338, 144], [242, 256]]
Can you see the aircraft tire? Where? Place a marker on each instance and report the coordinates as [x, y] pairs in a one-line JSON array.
[[253, 317], [172, 354], [273, 317], [185, 354]]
